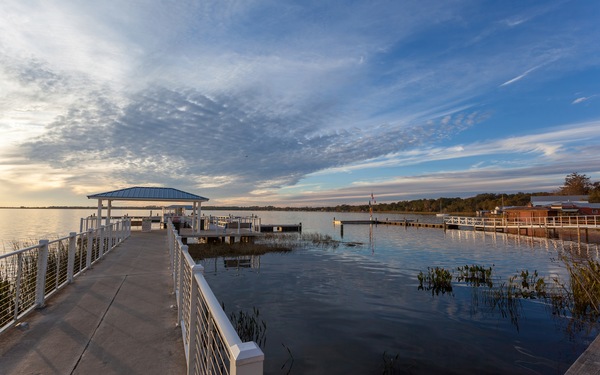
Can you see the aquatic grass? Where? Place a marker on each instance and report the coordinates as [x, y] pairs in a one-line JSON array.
[[270, 243], [216, 250], [437, 280], [504, 298], [289, 361], [584, 286], [56, 274], [577, 299], [249, 326], [475, 275], [8, 280], [7, 303], [301, 240], [389, 364]]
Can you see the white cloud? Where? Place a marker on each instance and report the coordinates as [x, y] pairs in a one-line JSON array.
[[519, 77], [253, 97], [582, 99]]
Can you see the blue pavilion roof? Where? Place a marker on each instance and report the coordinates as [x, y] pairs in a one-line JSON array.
[[149, 194]]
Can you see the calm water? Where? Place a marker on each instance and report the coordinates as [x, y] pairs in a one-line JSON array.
[[338, 310]]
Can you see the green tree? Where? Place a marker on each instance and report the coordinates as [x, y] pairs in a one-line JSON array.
[[576, 184]]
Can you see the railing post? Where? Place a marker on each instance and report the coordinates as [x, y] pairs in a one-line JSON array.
[[120, 231], [116, 229], [180, 282], [90, 248], [42, 265], [247, 359], [71, 256], [111, 234], [192, 328], [18, 285], [101, 242]]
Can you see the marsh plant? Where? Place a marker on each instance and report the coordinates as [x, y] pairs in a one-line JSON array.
[[302, 240], [475, 275], [581, 295], [56, 274], [249, 326], [270, 243], [578, 298], [437, 280], [389, 364]]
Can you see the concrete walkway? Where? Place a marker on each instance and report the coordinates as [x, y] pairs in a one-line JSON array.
[[589, 362], [114, 319]]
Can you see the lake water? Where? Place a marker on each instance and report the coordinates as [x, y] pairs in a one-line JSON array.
[[355, 309]]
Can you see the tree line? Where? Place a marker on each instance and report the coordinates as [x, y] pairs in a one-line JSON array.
[[575, 184]]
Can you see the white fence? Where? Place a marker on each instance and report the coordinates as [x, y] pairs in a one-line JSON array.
[[91, 222], [251, 223], [211, 344], [549, 222], [30, 275]]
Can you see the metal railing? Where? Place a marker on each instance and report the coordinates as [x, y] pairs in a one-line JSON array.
[[549, 222], [252, 223], [211, 344], [31, 275], [91, 222]]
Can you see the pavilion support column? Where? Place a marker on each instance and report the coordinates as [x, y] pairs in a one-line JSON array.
[[199, 216], [195, 217], [99, 218], [108, 213]]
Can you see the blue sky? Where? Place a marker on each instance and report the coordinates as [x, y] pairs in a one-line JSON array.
[[296, 103]]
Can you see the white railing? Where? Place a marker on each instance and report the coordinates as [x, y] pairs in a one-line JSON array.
[[30, 275], [251, 223], [91, 222], [211, 344], [549, 222]]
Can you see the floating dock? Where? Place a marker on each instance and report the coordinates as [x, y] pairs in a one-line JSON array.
[[274, 228]]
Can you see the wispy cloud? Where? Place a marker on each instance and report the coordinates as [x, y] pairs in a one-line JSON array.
[[582, 99], [250, 100], [554, 143], [519, 77]]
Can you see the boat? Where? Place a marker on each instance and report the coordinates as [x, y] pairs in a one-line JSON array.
[[441, 214]]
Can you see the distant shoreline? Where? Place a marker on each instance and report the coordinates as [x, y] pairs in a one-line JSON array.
[[287, 209]]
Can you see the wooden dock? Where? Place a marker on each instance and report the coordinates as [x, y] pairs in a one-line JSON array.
[[221, 235], [271, 228], [404, 223], [233, 232]]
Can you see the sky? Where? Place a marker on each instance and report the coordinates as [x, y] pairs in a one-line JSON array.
[[296, 103]]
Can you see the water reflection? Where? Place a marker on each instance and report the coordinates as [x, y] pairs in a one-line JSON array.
[[242, 262], [338, 309], [224, 264]]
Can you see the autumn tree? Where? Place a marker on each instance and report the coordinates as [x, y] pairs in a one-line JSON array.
[[576, 184], [595, 193]]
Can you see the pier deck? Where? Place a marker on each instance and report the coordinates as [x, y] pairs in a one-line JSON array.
[[114, 319], [404, 223]]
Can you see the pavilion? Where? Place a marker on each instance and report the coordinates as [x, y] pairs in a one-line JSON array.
[[150, 194]]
